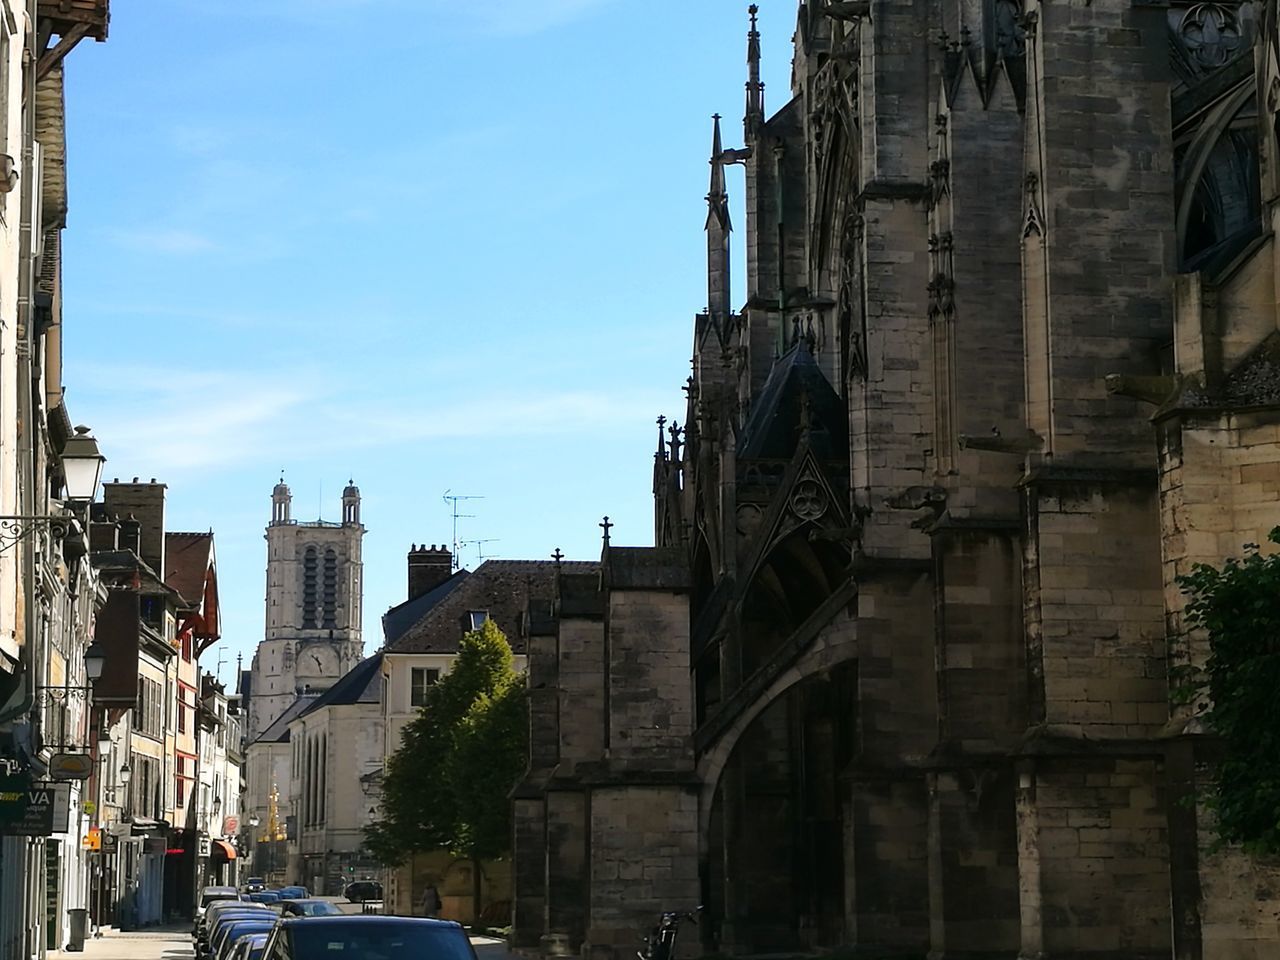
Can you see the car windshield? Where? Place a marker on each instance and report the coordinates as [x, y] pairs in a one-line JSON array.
[[316, 908], [215, 897], [369, 941]]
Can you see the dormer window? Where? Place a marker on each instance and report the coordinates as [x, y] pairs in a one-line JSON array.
[[476, 619]]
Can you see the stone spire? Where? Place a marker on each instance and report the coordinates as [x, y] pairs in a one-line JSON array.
[[755, 89], [718, 229]]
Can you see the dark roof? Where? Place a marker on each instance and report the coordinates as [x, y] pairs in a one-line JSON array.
[[773, 429], [646, 568], [361, 684], [502, 588], [278, 732], [188, 555], [400, 618]]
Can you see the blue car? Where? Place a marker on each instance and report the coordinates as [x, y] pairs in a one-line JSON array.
[[264, 896], [294, 893], [361, 938]]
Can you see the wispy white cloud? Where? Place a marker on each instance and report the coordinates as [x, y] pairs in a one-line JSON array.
[[163, 240], [163, 421]]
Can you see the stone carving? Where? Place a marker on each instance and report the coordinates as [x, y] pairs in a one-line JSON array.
[[809, 499], [1211, 33], [1010, 34]]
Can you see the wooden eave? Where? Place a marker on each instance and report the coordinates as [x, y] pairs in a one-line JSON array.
[[70, 21]]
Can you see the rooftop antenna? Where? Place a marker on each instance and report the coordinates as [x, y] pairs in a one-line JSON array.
[[453, 499], [217, 670], [479, 545]]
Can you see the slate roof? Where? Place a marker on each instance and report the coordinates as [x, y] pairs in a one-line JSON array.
[[397, 620], [503, 588], [773, 428], [361, 684], [278, 732], [187, 555]]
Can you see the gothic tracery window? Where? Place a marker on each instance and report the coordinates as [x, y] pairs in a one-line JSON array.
[[310, 571]]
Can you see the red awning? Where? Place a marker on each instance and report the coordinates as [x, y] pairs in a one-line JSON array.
[[220, 849]]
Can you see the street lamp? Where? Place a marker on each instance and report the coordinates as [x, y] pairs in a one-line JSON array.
[[126, 772], [95, 661], [82, 465], [82, 468]]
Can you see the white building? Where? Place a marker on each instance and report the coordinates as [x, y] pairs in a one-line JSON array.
[[220, 782]]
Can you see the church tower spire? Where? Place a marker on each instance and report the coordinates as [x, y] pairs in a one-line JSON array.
[[755, 88], [718, 229]]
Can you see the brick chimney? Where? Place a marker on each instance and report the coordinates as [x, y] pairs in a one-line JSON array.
[[428, 568], [145, 503]]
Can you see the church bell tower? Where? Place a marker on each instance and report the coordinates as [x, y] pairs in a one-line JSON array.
[[314, 605]]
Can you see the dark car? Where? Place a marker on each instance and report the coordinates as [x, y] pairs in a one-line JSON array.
[[217, 909], [294, 893], [368, 938], [358, 891], [306, 907], [254, 884], [250, 947], [263, 896], [224, 939], [216, 918], [210, 896]]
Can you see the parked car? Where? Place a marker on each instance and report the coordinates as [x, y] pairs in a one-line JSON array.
[[263, 896], [219, 915], [254, 884], [249, 947], [294, 893], [305, 907], [358, 891], [211, 895], [216, 909], [368, 938], [224, 939]]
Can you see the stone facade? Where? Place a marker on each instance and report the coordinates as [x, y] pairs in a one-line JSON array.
[[931, 537], [314, 607]]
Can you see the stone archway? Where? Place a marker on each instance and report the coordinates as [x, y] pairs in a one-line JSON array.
[[834, 646]]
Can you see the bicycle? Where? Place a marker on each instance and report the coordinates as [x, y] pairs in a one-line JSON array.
[[661, 943]]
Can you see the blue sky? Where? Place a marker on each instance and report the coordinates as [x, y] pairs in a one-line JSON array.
[[431, 246]]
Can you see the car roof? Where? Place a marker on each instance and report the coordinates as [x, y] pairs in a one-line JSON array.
[[363, 920], [220, 890]]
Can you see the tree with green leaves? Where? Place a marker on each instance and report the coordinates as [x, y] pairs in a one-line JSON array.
[[446, 787], [1238, 608]]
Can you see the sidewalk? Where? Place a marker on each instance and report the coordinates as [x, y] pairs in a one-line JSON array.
[[157, 943]]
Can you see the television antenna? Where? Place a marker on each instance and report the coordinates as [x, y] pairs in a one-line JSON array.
[[453, 499], [479, 545]]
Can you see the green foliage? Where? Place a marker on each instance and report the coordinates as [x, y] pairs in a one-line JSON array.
[[446, 786], [1238, 607]]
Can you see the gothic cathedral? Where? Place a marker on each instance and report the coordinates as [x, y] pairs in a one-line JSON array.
[[313, 607]]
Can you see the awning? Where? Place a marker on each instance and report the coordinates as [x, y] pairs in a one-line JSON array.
[[221, 850]]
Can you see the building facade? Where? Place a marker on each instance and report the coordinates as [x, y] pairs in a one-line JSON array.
[[48, 593], [931, 537], [314, 605]]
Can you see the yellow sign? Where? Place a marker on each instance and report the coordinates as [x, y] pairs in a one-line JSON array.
[[90, 808], [93, 840]]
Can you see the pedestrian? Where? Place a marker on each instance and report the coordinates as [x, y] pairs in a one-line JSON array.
[[431, 900]]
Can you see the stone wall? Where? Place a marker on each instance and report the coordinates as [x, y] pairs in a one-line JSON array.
[[644, 860], [1102, 853]]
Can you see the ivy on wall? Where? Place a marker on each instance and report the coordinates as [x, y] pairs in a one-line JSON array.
[[1238, 608]]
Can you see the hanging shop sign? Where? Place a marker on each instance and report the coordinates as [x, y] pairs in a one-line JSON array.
[[70, 766]]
